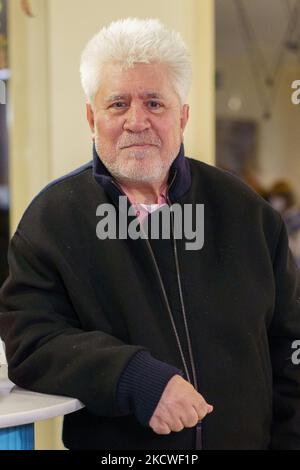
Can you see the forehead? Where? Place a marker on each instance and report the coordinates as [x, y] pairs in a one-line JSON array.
[[142, 79]]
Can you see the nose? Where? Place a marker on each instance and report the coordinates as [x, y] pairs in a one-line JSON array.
[[136, 119]]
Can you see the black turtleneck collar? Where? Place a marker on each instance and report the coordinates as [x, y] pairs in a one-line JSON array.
[[180, 168]]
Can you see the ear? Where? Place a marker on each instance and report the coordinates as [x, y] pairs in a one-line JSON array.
[[185, 112], [90, 118]]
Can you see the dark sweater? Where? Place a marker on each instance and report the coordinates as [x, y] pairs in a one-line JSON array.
[[87, 318]]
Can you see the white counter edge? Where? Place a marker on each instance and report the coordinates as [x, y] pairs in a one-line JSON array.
[[47, 406]]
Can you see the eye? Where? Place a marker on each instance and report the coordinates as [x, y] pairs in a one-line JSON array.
[[154, 104], [118, 105]]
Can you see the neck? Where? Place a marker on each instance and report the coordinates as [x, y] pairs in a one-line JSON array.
[[142, 192]]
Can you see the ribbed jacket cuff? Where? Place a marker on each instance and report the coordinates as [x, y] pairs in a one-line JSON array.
[[141, 385]]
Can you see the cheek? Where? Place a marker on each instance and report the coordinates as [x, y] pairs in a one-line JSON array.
[[170, 131], [108, 129]]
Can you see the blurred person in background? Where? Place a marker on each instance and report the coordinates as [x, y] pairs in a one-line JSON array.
[[282, 198], [250, 177]]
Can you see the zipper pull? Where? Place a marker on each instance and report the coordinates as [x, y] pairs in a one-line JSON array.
[[198, 437]]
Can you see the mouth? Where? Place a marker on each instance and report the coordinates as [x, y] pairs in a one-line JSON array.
[[139, 146]]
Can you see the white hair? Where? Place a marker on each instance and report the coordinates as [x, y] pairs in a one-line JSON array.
[[130, 41]]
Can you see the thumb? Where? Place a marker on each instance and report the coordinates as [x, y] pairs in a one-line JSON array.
[[210, 408]]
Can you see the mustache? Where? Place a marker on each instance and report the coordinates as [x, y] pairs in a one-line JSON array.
[[127, 140]]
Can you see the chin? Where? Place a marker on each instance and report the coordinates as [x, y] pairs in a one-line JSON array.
[[141, 153], [142, 168], [145, 175]]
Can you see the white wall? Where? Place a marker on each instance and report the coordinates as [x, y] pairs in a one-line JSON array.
[[29, 116]]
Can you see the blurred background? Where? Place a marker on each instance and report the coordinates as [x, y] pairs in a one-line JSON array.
[[257, 124], [246, 56]]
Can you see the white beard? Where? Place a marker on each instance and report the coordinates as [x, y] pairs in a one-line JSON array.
[[134, 166]]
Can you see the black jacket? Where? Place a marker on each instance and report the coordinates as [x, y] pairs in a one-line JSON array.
[[89, 318]]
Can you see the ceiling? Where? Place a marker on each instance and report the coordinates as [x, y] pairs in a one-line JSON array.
[[268, 19]]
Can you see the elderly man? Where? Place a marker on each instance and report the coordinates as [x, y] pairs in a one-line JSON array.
[[167, 347]]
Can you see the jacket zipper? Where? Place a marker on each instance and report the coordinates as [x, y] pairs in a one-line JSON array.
[[198, 431], [195, 384], [198, 428], [169, 311], [194, 381]]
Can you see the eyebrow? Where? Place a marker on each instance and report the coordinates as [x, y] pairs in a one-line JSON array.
[[150, 94]]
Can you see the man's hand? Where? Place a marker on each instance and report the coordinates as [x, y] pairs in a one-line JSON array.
[[179, 407]]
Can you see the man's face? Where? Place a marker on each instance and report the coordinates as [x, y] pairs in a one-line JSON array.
[[137, 122]]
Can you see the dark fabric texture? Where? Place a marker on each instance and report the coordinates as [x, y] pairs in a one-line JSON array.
[[142, 384], [76, 311]]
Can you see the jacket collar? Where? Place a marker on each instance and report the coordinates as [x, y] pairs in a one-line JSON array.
[[179, 179]]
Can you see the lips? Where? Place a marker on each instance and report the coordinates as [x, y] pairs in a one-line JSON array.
[[139, 145]]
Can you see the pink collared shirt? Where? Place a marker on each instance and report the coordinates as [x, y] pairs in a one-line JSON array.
[[142, 210]]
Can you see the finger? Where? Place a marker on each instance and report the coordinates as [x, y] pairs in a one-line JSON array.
[[203, 409], [210, 408], [176, 425], [159, 427], [190, 418]]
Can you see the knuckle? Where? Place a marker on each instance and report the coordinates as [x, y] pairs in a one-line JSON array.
[[201, 401], [168, 405], [162, 415], [201, 407], [177, 427], [193, 420]]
